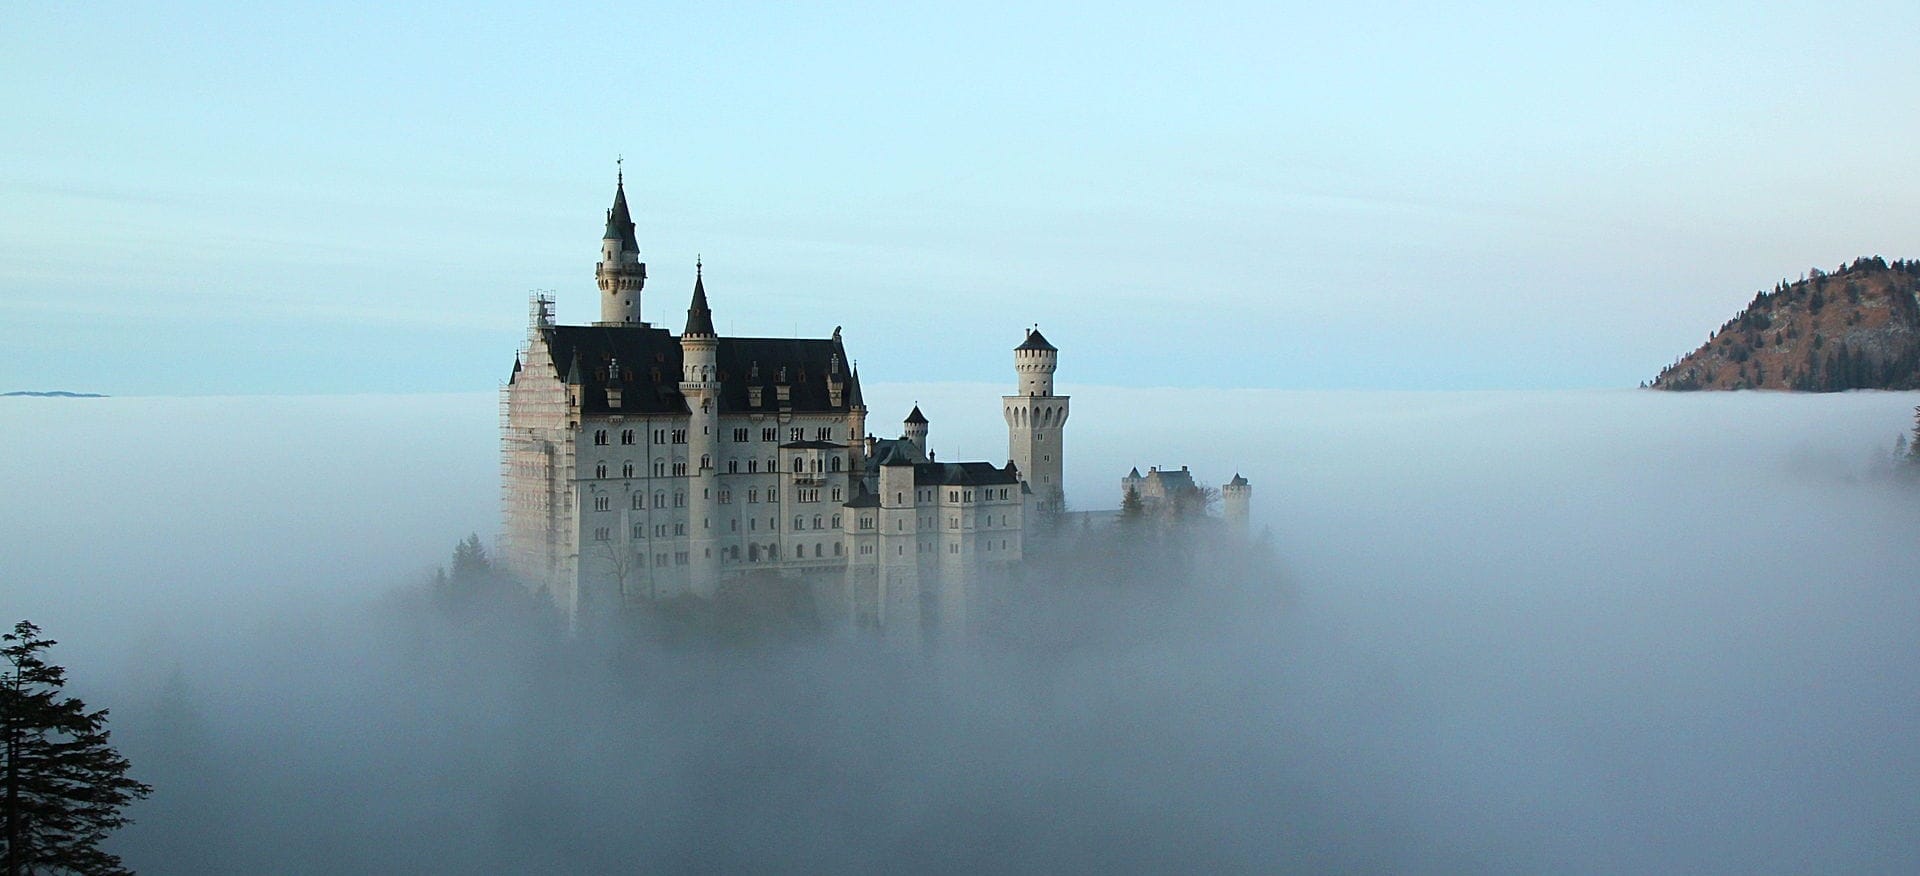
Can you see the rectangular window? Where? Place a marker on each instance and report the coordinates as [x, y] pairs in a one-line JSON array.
[[602, 533], [679, 469], [639, 531], [679, 529], [679, 436], [767, 434], [602, 503], [794, 434], [740, 435]]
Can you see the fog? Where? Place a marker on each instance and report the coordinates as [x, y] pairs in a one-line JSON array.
[[1608, 631]]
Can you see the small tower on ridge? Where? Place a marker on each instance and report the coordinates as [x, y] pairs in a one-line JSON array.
[[1236, 499], [620, 272], [700, 385]]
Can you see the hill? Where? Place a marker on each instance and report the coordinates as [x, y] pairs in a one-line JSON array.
[[1855, 328]]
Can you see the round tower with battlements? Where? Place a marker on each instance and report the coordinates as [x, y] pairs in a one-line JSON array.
[[1036, 423]]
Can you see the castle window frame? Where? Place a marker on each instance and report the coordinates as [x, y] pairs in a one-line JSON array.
[[639, 531], [679, 499], [680, 468], [798, 523], [816, 521], [599, 469], [753, 466], [603, 503], [733, 466], [769, 434], [797, 433], [600, 437], [726, 497], [626, 469], [602, 533], [753, 497], [659, 436], [740, 435], [836, 521], [660, 499], [626, 436], [639, 501]]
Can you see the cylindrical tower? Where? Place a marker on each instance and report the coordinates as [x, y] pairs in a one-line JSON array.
[[1036, 426], [700, 385], [915, 429], [620, 273]]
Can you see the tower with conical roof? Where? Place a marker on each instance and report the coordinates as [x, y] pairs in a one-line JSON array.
[[620, 272], [1036, 424], [700, 386], [915, 429]]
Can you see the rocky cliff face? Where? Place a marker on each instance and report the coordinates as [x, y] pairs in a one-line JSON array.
[[1854, 328]]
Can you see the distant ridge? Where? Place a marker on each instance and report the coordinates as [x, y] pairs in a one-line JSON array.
[[58, 393], [1855, 328]]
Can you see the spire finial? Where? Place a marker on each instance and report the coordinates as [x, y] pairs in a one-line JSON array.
[[619, 171], [697, 268]]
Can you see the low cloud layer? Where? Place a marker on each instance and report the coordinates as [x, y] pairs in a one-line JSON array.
[[1502, 632]]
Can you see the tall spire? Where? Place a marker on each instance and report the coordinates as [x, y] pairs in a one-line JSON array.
[[699, 315], [619, 220]]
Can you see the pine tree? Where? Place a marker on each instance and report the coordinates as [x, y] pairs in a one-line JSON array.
[[62, 786], [1131, 508]]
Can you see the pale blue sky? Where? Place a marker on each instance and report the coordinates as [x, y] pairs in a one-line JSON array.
[[218, 199]]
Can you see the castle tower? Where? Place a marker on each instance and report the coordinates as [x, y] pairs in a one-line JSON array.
[[620, 272], [1036, 420], [1236, 500], [700, 384], [915, 429], [899, 573]]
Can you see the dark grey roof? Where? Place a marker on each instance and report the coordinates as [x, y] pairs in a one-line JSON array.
[[812, 445], [650, 367], [1135, 474], [862, 498], [1035, 341], [962, 474], [916, 417], [619, 221], [853, 392], [1237, 481], [896, 453], [699, 315]]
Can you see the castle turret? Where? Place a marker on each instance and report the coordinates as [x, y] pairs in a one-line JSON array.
[[700, 385], [915, 429], [1036, 420], [1236, 500], [620, 272]]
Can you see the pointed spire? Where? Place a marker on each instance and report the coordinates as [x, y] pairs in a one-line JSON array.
[[916, 417], [699, 315], [619, 220]]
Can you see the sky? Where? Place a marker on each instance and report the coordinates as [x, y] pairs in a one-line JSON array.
[[206, 199]]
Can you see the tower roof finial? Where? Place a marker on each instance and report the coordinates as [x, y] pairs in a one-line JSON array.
[[699, 315], [619, 172]]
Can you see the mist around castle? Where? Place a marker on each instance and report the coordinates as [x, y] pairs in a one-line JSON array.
[[1495, 632]]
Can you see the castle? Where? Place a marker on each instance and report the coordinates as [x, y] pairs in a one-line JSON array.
[[638, 465]]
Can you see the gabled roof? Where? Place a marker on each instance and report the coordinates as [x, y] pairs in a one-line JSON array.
[[1036, 341], [650, 368], [896, 454], [1237, 481], [1135, 474]]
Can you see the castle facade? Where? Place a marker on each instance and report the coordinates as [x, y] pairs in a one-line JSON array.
[[640, 465]]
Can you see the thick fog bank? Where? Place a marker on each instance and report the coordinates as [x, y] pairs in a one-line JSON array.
[[1505, 632]]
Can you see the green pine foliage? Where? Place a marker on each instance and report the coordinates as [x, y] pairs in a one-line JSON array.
[[62, 786]]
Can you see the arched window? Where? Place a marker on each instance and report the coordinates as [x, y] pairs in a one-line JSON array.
[[816, 521], [706, 461], [626, 469], [660, 499], [798, 523], [639, 501], [798, 467], [836, 463], [600, 470]]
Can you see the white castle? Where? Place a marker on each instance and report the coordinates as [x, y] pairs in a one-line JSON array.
[[638, 465]]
